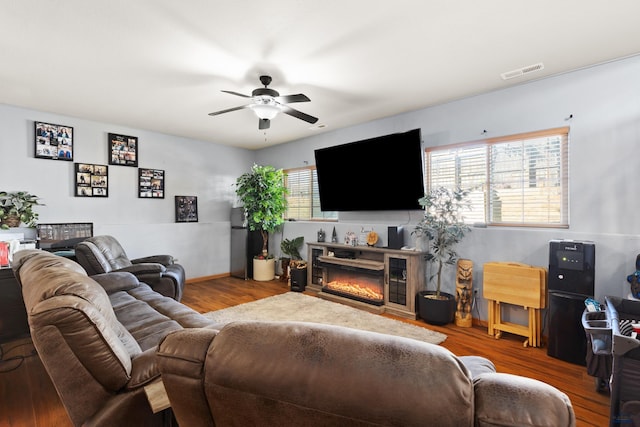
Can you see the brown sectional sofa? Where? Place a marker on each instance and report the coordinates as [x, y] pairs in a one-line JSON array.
[[102, 339], [97, 337]]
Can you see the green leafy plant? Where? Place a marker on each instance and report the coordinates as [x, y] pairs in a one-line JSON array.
[[262, 193], [443, 225], [292, 247], [17, 207]]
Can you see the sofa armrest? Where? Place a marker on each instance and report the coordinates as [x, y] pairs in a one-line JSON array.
[[116, 281], [183, 352], [144, 369], [145, 268], [505, 399], [165, 260], [181, 357]]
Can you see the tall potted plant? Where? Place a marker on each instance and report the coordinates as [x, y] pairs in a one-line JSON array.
[[262, 193], [16, 208], [443, 226]]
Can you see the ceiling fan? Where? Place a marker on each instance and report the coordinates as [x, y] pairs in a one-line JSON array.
[[267, 103]]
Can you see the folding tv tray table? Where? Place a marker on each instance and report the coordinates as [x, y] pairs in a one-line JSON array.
[[516, 284]]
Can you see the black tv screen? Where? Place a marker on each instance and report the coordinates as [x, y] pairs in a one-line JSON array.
[[383, 173]]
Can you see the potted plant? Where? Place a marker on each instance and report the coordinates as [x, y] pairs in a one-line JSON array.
[[16, 208], [291, 249], [296, 265], [262, 193], [443, 226]]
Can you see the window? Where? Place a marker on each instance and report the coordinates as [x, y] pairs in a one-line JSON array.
[[514, 180], [303, 198]]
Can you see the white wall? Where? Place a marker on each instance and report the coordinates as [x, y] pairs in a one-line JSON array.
[[604, 151], [143, 226]]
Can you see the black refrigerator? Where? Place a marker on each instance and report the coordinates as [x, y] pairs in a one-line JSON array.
[[571, 282], [244, 245]]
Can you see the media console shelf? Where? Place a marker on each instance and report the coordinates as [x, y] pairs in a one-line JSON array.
[[404, 273]]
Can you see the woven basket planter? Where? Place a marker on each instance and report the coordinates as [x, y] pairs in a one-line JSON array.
[[11, 220]]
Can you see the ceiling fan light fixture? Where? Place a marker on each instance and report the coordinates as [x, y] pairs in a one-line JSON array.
[[265, 109]]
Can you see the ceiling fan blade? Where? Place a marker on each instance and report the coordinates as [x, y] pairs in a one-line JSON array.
[[298, 114], [228, 110], [236, 93], [287, 99], [264, 124]]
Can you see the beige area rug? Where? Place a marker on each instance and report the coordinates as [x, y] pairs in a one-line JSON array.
[[294, 306]]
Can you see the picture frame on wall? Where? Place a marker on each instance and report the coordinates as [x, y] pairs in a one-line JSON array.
[[54, 142], [123, 150], [186, 208], [92, 180], [150, 183]]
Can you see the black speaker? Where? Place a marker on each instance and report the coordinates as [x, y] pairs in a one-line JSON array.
[[298, 278], [395, 237]]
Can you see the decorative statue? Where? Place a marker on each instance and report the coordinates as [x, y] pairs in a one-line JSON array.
[[464, 293]]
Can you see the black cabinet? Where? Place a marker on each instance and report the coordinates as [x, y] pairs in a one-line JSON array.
[[13, 316]]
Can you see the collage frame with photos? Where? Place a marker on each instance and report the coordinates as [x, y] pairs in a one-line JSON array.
[[91, 180]]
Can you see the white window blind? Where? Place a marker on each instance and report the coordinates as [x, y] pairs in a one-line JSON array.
[[515, 180], [303, 198]]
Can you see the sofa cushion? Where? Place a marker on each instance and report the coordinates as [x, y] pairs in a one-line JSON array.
[[149, 316], [477, 365]]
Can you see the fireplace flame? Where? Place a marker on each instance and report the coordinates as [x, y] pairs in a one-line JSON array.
[[357, 289]]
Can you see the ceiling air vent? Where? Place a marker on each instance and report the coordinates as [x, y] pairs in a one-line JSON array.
[[522, 71]]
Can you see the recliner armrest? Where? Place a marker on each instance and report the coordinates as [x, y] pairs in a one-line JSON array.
[[183, 352], [144, 369], [144, 268], [506, 399], [116, 281], [161, 259]]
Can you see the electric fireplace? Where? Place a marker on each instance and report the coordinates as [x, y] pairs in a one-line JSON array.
[[364, 283]]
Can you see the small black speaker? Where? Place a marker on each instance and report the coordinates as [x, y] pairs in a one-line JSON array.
[[395, 237], [298, 278]]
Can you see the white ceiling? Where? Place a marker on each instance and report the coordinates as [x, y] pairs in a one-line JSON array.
[[161, 64]]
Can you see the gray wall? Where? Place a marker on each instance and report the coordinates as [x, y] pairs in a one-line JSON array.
[[143, 226], [604, 150], [604, 141]]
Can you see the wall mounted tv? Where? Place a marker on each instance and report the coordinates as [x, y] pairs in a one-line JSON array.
[[383, 173]]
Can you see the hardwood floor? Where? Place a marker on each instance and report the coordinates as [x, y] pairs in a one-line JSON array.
[[27, 397]]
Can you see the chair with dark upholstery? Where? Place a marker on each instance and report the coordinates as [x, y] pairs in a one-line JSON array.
[[104, 254]]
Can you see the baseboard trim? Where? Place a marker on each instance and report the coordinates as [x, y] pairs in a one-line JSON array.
[[205, 278]]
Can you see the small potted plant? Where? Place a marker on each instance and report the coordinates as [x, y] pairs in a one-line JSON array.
[[295, 264], [262, 193], [17, 208], [290, 247], [443, 226]]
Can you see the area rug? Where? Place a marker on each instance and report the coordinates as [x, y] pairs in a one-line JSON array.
[[296, 306]]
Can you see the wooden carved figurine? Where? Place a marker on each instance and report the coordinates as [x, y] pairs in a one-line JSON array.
[[464, 293]]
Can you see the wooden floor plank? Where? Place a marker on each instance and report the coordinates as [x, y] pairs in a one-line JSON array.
[[27, 397]]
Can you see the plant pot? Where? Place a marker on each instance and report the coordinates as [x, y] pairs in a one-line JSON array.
[[264, 269], [11, 221], [436, 311]]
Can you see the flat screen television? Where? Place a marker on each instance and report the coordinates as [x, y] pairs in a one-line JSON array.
[[383, 173]]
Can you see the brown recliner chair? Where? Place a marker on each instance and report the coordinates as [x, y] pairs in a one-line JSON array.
[[97, 337], [303, 374], [104, 254]]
